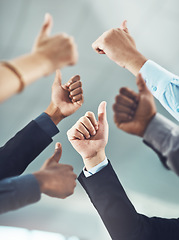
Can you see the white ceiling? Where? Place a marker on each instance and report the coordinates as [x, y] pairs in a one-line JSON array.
[[154, 25]]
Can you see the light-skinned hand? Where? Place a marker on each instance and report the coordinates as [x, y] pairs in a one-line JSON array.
[[89, 137], [134, 111], [120, 47], [56, 179], [59, 50]]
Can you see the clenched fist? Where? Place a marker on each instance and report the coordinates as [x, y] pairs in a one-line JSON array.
[[133, 111]]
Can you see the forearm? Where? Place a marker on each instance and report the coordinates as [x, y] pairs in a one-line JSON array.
[[31, 66], [117, 212], [18, 192], [22, 149], [163, 85], [112, 203]]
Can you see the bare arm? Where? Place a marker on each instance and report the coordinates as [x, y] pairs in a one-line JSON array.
[[48, 54]]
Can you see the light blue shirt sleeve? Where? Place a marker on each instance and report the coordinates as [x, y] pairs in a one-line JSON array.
[[163, 85], [96, 169]]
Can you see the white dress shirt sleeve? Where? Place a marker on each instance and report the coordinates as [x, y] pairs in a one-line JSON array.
[[163, 85], [95, 169]]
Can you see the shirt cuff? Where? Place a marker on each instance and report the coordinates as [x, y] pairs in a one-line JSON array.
[[47, 125], [157, 78], [95, 169], [157, 132]]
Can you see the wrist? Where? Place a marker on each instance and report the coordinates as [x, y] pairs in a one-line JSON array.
[[54, 113], [46, 65], [135, 62], [43, 62], [40, 179], [94, 160], [32, 66], [146, 124]]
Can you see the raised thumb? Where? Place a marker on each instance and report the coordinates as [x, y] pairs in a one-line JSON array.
[[47, 26], [58, 152], [124, 26], [58, 78], [141, 83], [102, 112]]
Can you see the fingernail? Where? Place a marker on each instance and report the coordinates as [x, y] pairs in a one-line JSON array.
[[94, 132], [46, 18], [56, 145]]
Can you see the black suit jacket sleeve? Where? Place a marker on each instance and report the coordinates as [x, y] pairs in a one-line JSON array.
[[22, 149], [118, 214]]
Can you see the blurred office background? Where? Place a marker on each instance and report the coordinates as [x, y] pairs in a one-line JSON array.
[[154, 26]]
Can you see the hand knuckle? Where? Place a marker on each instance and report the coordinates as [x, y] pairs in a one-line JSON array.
[[70, 87], [80, 90], [70, 167], [114, 107], [117, 98], [71, 192], [82, 119], [71, 39], [65, 35], [77, 125], [123, 89], [89, 114], [68, 132], [76, 132], [74, 98]]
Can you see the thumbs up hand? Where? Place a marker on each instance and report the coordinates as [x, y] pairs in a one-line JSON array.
[[89, 137], [58, 51], [133, 111], [56, 179], [120, 47], [66, 99]]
